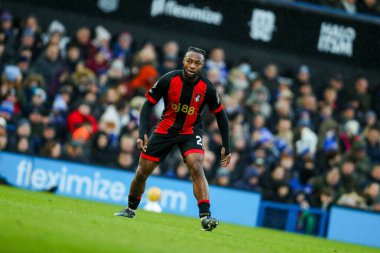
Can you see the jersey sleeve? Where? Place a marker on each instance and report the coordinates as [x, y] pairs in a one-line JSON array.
[[214, 102], [158, 90]]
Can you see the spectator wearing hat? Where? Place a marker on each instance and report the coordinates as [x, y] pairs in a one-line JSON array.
[[10, 33], [79, 116], [56, 34], [11, 87], [302, 80], [60, 107], [37, 102], [102, 41], [223, 177], [349, 135]]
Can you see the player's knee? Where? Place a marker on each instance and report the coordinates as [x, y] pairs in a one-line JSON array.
[[141, 175], [196, 168]]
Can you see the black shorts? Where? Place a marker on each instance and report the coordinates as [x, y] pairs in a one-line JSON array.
[[159, 145]]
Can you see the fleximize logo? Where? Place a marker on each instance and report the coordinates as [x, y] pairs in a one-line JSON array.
[[190, 12], [90, 185]]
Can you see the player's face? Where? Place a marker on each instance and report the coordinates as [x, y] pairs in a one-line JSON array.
[[192, 64]]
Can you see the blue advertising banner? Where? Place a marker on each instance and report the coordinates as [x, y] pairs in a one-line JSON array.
[[363, 227], [112, 186]]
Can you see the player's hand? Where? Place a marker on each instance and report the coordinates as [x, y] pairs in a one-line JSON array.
[[225, 158], [142, 144]]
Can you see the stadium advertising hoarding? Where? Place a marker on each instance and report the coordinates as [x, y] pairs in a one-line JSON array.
[[362, 228], [112, 186], [282, 27]]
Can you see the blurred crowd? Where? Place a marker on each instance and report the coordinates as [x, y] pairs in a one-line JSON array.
[[369, 7], [295, 140]]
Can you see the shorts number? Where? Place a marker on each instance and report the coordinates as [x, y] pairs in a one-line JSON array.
[[199, 140]]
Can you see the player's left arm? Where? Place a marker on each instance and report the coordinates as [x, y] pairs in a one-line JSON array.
[[224, 129], [215, 106]]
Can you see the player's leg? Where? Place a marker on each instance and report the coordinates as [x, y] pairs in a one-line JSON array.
[[195, 163], [158, 147], [144, 169], [191, 149]]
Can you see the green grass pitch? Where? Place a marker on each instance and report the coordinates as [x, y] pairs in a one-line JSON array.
[[42, 222]]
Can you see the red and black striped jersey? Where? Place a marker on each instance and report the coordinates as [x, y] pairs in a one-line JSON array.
[[184, 102]]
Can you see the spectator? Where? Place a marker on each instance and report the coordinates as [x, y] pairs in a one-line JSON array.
[[217, 60], [372, 140], [371, 195], [79, 116], [250, 182], [74, 151], [122, 49], [49, 65], [100, 149], [3, 134], [270, 77], [330, 180], [125, 161], [348, 177], [52, 149], [360, 98]]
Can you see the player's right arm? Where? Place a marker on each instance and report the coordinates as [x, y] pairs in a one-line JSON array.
[[153, 96]]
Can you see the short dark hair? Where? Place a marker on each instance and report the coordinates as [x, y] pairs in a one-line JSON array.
[[197, 50]]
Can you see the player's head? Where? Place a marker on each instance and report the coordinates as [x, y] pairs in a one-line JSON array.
[[193, 62]]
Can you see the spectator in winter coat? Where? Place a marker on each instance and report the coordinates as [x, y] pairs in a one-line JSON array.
[[79, 116]]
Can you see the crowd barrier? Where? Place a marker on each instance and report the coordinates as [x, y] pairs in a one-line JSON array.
[[354, 226]]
